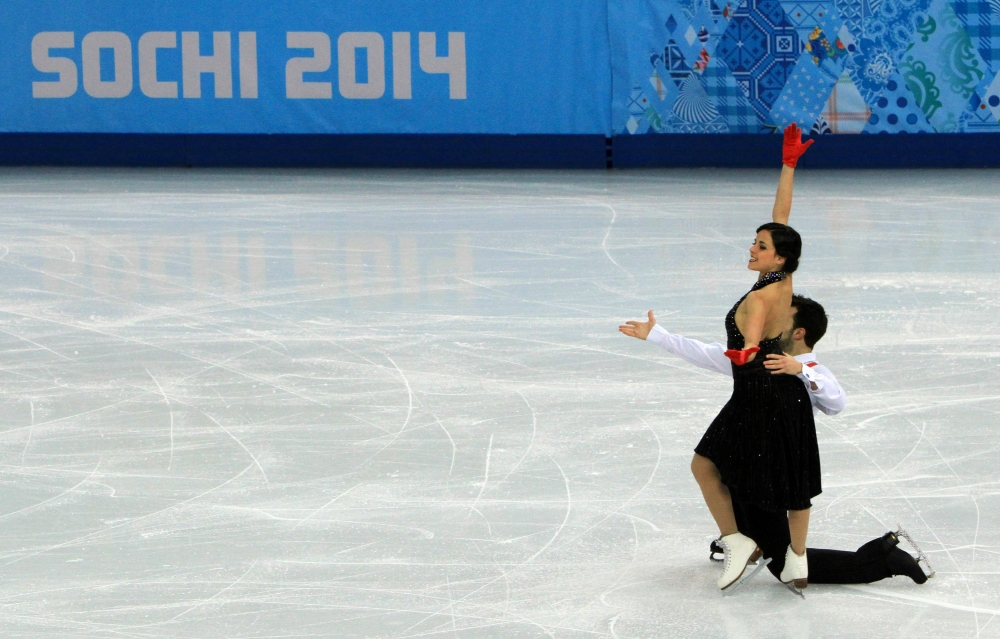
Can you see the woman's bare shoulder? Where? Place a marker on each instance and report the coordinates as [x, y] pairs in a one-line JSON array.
[[767, 294]]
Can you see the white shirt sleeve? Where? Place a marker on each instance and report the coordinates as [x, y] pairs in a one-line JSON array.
[[824, 387], [709, 356]]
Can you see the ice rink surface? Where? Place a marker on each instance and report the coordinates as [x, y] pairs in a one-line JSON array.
[[396, 404]]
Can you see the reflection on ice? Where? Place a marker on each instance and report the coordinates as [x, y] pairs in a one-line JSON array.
[[134, 267], [355, 404]]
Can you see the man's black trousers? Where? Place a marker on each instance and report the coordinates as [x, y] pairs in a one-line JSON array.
[[770, 531]]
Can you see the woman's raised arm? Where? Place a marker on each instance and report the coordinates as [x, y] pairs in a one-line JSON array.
[[783, 199], [792, 150]]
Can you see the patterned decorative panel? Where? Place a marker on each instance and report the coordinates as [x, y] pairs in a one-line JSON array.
[[981, 20], [943, 67], [832, 66], [761, 47], [897, 110], [734, 107], [845, 110]]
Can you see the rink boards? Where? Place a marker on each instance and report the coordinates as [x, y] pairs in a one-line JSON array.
[[600, 83]]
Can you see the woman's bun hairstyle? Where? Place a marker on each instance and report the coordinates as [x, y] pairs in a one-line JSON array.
[[787, 244]]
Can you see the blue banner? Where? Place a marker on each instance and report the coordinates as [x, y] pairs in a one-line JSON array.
[[590, 67], [305, 66]]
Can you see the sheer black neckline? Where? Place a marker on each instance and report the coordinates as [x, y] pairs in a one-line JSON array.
[[768, 278]]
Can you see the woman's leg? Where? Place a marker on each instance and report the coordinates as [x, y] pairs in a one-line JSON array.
[[716, 495], [798, 528], [740, 550]]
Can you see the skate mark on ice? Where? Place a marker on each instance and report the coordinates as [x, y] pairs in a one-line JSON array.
[[454, 449], [324, 507], [99, 533], [51, 499], [576, 347], [607, 234], [878, 592], [170, 409], [569, 507], [521, 565], [878, 397], [626, 570], [562, 307], [645, 521], [409, 407], [510, 250], [618, 510], [31, 430], [209, 363], [34, 343], [534, 429], [902, 412], [212, 598], [237, 440], [486, 479]]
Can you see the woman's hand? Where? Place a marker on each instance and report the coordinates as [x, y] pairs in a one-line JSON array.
[[743, 357], [783, 364], [638, 329], [793, 147]]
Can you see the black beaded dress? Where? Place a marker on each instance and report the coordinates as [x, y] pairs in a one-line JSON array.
[[764, 440]]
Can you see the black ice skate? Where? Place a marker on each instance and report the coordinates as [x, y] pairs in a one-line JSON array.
[[894, 560], [884, 550]]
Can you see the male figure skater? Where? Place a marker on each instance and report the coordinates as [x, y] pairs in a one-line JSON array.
[[807, 323]]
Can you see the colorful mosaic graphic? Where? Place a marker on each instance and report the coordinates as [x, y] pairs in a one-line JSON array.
[[832, 66]]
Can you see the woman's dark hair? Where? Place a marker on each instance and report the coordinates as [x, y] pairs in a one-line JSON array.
[[809, 315], [787, 244]]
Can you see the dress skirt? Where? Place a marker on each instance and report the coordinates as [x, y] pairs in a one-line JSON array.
[[764, 441]]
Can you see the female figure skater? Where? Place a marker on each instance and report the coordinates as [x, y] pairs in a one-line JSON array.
[[761, 449]]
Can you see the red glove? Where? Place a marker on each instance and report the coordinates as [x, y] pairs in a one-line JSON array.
[[793, 148], [741, 357]]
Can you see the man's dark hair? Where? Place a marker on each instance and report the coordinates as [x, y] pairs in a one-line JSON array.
[[809, 315], [787, 244]]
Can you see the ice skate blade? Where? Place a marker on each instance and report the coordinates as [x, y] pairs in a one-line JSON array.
[[795, 590], [921, 557], [736, 585]]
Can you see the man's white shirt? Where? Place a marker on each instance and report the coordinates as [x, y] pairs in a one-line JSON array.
[[825, 391]]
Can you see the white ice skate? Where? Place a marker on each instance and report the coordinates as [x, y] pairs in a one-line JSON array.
[[748, 574], [795, 574], [740, 551]]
